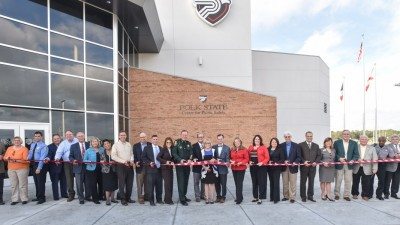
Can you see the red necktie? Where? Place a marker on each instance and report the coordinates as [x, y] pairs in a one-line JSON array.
[[82, 149]]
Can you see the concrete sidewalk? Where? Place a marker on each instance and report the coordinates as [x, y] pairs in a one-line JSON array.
[[319, 213]]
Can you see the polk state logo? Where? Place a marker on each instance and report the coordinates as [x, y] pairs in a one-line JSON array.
[[212, 11]]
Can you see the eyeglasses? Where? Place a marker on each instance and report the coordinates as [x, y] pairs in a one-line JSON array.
[[168, 142], [286, 136]]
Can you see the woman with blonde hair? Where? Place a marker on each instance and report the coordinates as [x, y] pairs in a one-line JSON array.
[[18, 170], [93, 169]]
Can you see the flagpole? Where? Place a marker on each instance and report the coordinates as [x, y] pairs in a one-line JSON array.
[[376, 109], [344, 105], [363, 58]]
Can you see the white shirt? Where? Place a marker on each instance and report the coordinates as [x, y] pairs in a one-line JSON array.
[[362, 151], [122, 152], [219, 150], [346, 147]]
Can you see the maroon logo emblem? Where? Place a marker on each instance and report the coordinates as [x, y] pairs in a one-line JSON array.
[[212, 11]]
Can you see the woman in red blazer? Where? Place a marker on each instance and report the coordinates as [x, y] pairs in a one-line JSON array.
[[259, 157], [239, 157]]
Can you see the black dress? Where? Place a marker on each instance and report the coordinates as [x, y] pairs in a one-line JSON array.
[[110, 179], [211, 175]]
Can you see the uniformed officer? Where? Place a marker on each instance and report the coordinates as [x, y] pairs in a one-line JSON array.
[[182, 153]]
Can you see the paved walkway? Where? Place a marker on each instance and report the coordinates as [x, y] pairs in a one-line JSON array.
[[322, 212]]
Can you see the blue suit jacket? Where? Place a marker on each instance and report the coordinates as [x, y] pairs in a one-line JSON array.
[[293, 157], [53, 168], [75, 154], [224, 157], [352, 152]]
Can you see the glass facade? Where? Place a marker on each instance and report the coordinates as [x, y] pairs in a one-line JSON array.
[[57, 66]]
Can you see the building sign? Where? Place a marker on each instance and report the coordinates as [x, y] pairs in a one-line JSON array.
[[212, 11], [203, 109]]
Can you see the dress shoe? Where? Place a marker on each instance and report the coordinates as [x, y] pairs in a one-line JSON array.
[[114, 201], [41, 201], [238, 202], [24, 202], [207, 202], [184, 203], [337, 197], [380, 198], [218, 199], [81, 202], [386, 196], [108, 202], [275, 202], [355, 196], [394, 196], [2, 202], [160, 202], [291, 200], [222, 200], [152, 203], [169, 203], [202, 198], [56, 199], [365, 198], [96, 202], [347, 199], [35, 200], [211, 202], [259, 202], [311, 199], [303, 199], [329, 198], [284, 199], [131, 201], [88, 199], [141, 201], [70, 198], [254, 200], [124, 203], [14, 203], [197, 199], [187, 200]]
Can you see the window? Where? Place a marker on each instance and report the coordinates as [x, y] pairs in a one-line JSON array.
[[99, 26], [66, 66], [20, 86], [23, 58], [66, 47], [24, 36], [74, 121], [23, 114], [120, 101], [99, 73], [98, 55], [99, 96], [68, 90], [100, 126], [67, 17], [33, 11]]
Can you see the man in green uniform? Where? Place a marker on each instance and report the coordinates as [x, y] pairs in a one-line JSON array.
[[182, 153]]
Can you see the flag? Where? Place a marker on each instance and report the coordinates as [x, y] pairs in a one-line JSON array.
[[341, 93], [360, 52], [370, 78]]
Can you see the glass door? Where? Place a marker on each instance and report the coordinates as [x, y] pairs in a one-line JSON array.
[[7, 133], [9, 130]]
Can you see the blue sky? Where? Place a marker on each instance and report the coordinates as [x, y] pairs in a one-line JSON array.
[[332, 29]]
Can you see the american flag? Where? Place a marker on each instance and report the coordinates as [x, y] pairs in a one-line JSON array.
[[360, 52], [370, 78], [341, 93]]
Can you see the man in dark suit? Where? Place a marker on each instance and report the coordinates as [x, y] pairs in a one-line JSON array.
[[140, 171], [76, 154], [310, 155], [393, 169], [346, 151], [56, 171], [221, 154], [153, 171], [292, 154], [197, 156]]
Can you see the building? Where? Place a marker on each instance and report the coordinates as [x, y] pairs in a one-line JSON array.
[[70, 65]]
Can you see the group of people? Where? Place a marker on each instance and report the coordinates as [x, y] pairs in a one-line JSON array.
[[99, 171]]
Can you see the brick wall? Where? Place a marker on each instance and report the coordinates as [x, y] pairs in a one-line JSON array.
[[164, 105]]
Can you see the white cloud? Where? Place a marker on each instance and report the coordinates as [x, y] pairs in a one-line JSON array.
[[324, 44]]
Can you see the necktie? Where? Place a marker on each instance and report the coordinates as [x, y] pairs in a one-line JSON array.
[[309, 145], [156, 151], [33, 154], [82, 149]]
